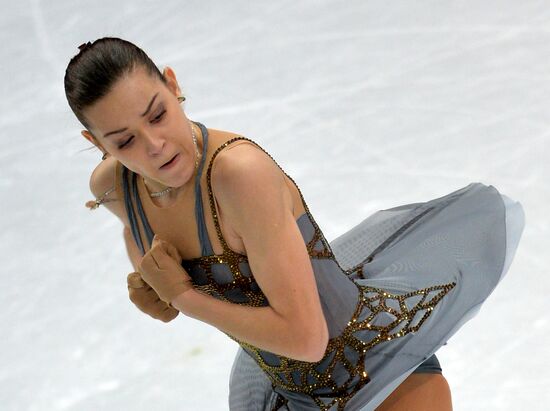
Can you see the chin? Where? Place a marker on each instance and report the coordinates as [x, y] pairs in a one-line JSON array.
[[179, 183]]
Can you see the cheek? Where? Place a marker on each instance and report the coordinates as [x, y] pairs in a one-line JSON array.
[[132, 167], [134, 161], [177, 119]]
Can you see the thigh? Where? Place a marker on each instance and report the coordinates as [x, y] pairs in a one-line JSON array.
[[250, 389], [420, 392]]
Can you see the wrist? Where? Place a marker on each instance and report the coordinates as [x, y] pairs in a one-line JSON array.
[[182, 301]]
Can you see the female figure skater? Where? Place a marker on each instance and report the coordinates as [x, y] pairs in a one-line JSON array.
[[216, 230]]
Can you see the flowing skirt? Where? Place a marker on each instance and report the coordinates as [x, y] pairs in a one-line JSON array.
[[468, 237]]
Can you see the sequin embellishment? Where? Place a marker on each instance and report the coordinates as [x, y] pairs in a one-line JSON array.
[[379, 317]]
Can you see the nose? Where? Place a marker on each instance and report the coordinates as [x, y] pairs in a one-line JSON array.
[[154, 143]]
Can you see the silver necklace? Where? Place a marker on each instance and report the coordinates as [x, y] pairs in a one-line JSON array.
[[167, 190]]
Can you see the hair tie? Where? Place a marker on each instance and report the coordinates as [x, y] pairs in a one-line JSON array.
[[84, 46]]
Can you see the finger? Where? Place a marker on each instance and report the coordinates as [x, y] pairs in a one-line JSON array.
[[135, 281], [151, 310], [153, 307], [159, 255], [162, 312], [167, 247], [153, 296], [143, 299], [169, 314], [171, 250], [156, 240], [165, 254], [147, 264], [139, 295]]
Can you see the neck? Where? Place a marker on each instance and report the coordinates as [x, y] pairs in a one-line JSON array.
[[155, 187]]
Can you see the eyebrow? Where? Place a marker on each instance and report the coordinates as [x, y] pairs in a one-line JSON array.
[[143, 115]]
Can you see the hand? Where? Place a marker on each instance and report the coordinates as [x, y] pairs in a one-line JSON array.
[[161, 268], [147, 300]]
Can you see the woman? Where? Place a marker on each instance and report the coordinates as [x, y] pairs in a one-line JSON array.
[[355, 332]]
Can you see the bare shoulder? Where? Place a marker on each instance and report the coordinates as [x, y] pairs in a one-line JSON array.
[[257, 202], [104, 180], [241, 162], [246, 180]]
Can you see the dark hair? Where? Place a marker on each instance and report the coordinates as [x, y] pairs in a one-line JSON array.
[[92, 73]]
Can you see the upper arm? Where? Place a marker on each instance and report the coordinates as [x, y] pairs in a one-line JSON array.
[[252, 191], [134, 252], [103, 178]]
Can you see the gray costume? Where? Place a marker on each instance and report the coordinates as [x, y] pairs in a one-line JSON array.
[[393, 290]]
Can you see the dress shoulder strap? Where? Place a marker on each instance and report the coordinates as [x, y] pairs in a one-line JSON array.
[[211, 195], [206, 245], [129, 206], [131, 196], [132, 202], [226, 248]]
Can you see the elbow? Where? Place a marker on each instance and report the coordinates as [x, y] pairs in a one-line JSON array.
[[316, 342]]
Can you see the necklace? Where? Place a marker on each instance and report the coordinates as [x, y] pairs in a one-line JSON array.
[[167, 190]]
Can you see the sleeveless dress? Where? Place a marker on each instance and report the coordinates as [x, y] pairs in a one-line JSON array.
[[393, 290]]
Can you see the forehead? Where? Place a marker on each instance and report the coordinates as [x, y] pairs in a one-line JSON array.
[[125, 102]]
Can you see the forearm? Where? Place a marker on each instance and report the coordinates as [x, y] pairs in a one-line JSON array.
[[261, 327]]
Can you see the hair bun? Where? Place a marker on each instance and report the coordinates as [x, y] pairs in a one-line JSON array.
[[84, 46]]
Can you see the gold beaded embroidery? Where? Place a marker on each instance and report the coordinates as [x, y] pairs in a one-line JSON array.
[[246, 286], [375, 306], [379, 317], [325, 252]]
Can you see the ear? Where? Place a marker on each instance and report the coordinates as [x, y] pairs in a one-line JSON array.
[[90, 137], [171, 81]]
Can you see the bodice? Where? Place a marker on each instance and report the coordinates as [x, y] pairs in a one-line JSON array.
[[358, 317]]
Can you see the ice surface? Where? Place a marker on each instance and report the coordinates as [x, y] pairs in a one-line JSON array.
[[366, 104]]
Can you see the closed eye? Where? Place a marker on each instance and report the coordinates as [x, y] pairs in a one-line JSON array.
[[125, 143], [159, 117]]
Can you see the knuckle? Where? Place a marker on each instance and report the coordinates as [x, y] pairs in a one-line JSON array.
[[154, 315], [132, 297]]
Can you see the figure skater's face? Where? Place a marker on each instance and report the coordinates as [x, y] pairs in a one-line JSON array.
[[141, 123]]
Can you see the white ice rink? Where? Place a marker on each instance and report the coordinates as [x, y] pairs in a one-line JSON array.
[[366, 104]]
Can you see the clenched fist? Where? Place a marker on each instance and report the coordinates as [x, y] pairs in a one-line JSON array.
[[147, 299], [161, 268]]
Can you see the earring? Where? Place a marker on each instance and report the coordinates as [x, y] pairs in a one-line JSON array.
[[181, 98], [104, 156]]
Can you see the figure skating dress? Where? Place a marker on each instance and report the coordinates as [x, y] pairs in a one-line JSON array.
[[393, 290]]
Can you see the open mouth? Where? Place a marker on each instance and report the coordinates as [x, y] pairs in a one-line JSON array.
[[169, 163]]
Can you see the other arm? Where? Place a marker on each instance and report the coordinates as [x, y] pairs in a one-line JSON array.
[[140, 293], [102, 180], [258, 203]]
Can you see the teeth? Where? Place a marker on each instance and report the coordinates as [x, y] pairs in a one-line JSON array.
[[168, 161]]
